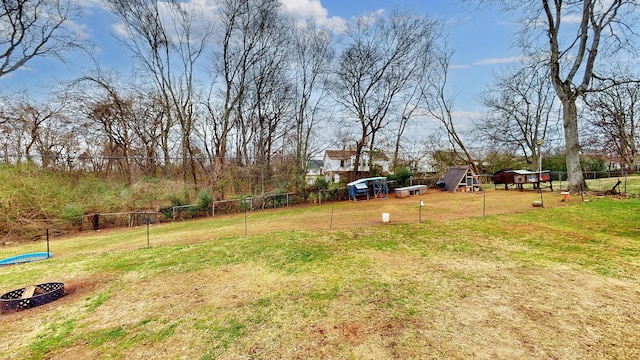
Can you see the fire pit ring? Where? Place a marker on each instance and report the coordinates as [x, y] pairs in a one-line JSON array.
[[31, 296]]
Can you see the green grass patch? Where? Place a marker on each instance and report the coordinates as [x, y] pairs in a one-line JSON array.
[[339, 292], [55, 337], [107, 336], [95, 302]]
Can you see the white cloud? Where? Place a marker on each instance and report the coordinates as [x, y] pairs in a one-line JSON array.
[[87, 5], [471, 115], [464, 119], [120, 29], [572, 18], [369, 18], [494, 61], [304, 10]]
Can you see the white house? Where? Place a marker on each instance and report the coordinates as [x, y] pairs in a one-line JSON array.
[[336, 162], [314, 171]]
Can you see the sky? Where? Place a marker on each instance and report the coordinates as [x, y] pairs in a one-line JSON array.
[[481, 40]]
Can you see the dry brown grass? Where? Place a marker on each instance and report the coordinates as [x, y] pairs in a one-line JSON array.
[[438, 206], [437, 290]]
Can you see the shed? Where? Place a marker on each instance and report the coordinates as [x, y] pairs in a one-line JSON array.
[[521, 177], [363, 187], [461, 178], [503, 176]]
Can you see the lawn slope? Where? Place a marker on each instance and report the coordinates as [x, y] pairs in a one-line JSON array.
[[558, 282]]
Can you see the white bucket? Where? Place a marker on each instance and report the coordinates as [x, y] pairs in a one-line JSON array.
[[385, 217]]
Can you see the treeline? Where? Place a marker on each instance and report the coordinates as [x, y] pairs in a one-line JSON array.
[[238, 96], [239, 88]]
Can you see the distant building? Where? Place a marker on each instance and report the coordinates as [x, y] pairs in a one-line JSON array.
[[342, 162], [314, 171], [338, 161]]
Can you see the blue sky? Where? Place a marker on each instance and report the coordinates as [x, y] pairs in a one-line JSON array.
[[481, 41]]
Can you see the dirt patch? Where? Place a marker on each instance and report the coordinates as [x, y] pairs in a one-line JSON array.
[[387, 304], [438, 206]]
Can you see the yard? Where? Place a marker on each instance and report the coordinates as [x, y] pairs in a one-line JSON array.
[[484, 276]]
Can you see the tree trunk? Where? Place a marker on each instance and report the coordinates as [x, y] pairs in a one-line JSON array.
[[572, 146], [371, 155], [356, 165]]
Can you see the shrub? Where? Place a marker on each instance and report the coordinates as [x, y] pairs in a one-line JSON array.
[[321, 183], [554, 162], [205, 200], [402, 176], [72, 214], [167, 211]]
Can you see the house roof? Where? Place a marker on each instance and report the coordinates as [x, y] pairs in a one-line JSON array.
[[315, 164], [378, 155], [347, 154], [339, 154]]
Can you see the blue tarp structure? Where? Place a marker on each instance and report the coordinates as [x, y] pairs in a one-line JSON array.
[[363, 187]]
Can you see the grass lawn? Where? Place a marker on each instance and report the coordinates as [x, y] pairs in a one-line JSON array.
[[559, 282]]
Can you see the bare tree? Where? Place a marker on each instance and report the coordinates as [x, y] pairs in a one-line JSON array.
[[248, 26], [32, 129], [520, 111], [118, 124], [412, 104], [168, 41], [380, 59], [580, 36], [614, 118], [268, 112], [113, 112], [439, 105], [35, 28], [312, 56], [271, 96], [269, 93]]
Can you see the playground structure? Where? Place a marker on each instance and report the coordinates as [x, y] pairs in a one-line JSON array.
[[375, 186], [460, 179]]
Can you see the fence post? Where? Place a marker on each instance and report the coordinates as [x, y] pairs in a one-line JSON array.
[[484, 204], [96, 222], [560, 177], [331, 221], [148, 221]]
